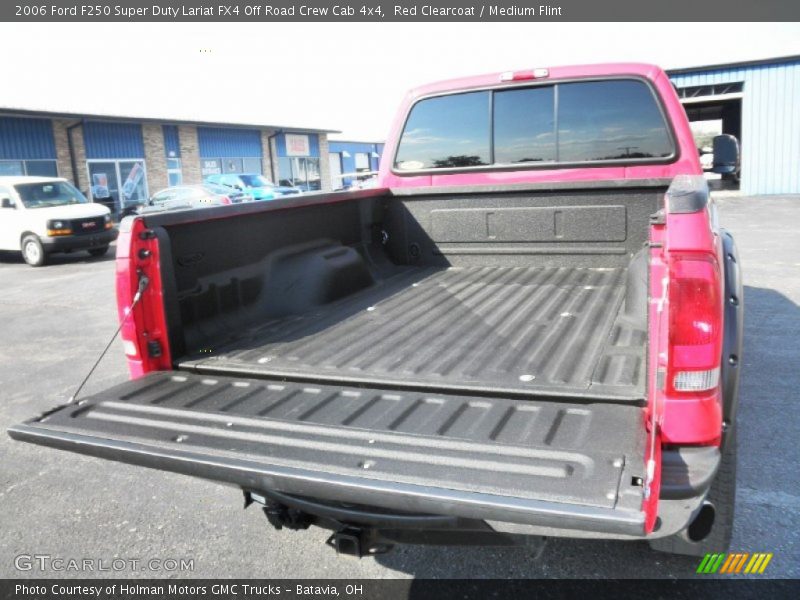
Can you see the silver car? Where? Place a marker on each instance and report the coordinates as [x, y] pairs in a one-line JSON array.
[[183, 197]]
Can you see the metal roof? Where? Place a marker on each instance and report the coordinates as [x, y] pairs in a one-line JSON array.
[[25, 112], [777, 60]]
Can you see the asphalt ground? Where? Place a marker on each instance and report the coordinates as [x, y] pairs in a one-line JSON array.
[[54, 321]]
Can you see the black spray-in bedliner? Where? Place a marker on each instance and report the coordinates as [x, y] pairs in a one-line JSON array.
[[524, 293], [515, 330]]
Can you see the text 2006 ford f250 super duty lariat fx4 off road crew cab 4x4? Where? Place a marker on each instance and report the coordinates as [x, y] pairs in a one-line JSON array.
[[530, 328]]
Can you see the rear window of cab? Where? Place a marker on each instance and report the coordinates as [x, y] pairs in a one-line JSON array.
[[562, 123]]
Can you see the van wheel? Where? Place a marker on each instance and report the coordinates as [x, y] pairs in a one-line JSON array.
[[96, 252], [33, 251], [712, 527]]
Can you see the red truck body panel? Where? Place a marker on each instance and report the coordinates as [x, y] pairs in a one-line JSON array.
[[147, 322]]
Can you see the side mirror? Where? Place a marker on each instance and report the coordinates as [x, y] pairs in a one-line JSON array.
[[726, 155], [7, 202]]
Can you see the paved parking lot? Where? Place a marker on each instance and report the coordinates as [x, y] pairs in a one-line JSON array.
[[55, 320]]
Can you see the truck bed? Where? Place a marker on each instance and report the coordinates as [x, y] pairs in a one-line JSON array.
[[556, 331]]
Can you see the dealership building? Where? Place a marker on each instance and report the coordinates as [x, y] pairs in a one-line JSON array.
[[123, 160], [758, 102]]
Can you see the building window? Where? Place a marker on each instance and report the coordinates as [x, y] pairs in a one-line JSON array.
[[252, 165], [40, 168], [362, 161], [335, 159], [300, 172], [121, 185], [232, 165], [219, 166], [174, 172], [12, 167]]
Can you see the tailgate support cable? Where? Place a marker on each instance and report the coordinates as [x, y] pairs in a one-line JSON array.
[[143, 281]]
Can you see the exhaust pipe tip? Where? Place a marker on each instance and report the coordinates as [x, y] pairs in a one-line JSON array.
[[703, 523]]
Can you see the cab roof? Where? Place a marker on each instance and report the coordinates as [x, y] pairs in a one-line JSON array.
[[643, 70]]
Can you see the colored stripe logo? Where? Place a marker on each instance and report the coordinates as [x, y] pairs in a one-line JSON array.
[[735, 563]]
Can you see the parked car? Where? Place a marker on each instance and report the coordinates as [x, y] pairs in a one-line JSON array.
[[184, 197], [532, 327], [252, 180], [40, 216], [255, 185]]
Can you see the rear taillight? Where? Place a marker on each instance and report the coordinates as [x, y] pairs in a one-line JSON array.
[[695, 314], [226, 200]]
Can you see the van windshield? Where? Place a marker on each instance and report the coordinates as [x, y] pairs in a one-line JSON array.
[[49, 193]]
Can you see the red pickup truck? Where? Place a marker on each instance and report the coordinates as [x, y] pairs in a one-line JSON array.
[[532, 327]]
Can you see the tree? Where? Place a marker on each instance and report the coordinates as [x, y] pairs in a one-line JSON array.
[[458, 161]]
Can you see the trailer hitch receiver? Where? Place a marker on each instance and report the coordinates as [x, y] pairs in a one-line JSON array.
[[354, 541]]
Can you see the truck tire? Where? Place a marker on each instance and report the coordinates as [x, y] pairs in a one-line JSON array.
[[711, 529], [32, 251], [97, 252]]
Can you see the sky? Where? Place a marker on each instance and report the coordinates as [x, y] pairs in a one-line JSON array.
[[348, 77]]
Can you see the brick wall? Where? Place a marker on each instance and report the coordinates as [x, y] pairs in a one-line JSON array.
[[266, 164], [190, 154], [154, 157], [275, 168], [62, 153], [62, 149], [324, 163]]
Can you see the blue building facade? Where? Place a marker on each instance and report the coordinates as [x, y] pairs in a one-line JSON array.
[[121, 161], [225, 150], [347, 158], [765, 96], [27, 147], [108, 139]]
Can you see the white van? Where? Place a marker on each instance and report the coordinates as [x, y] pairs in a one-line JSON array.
[[43, 215]]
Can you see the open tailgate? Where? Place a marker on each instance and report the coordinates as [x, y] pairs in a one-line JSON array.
[[575, 466]]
